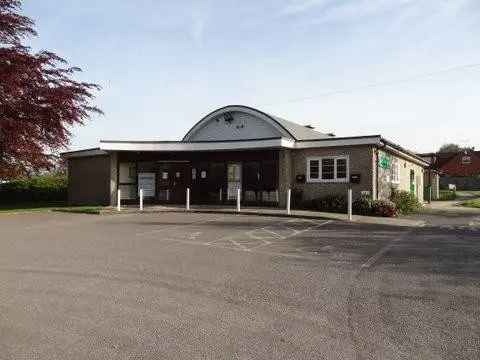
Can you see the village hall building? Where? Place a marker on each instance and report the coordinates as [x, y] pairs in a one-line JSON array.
[[238, 147]]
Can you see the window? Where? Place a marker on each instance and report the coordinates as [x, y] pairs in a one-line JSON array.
[[466, 160], [127, 180], [341, 168], [395, 169], [328, 169], [314, 169]]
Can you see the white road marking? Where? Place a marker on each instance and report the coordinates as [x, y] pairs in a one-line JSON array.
[[385, 249], [195, 223], [250, 240]]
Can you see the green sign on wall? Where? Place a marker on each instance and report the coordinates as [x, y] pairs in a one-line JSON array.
[[384, 161]]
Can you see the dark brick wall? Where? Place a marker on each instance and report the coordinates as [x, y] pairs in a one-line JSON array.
[[89, 180]]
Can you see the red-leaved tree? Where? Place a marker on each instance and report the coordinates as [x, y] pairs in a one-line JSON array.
[[39, 100]]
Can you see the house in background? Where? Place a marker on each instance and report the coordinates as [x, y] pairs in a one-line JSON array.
[[238, 149], [459, 168]]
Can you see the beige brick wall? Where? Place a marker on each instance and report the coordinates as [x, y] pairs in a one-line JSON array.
[[432, 179], [360, 162], [285, 175], [385, 182], [89, 180]]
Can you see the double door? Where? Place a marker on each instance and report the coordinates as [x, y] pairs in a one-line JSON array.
[[173, 180]]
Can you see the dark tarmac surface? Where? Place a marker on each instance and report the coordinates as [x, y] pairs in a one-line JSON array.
[[206, 286]]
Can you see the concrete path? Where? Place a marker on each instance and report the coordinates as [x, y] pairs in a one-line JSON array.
[[278, 212], [448, 214]]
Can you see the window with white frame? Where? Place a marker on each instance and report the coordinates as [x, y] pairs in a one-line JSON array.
[[328, 169], [466, 160], [395, 170]]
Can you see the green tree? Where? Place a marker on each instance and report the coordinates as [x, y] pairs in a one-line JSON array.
[[450, 147]]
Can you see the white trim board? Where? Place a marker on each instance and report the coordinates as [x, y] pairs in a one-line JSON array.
[[83, 153], [195, 146], [234, 145]]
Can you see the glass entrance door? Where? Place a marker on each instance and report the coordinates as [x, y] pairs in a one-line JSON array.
[[234, 180]]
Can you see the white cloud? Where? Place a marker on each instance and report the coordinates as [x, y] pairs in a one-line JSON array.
[[321, 11], [297, 7]]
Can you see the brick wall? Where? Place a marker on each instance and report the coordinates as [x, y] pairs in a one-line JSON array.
[[385, 180], [360, 162], [456, 167], [285, 175], [89, 180]]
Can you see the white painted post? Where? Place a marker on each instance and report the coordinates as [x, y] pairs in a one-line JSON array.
[[238, 200], [188, 198], [168, 194], [220, 195], [119, 197], [141, 199], [228, 194], [350, 200], [289, 195], [276, 195]]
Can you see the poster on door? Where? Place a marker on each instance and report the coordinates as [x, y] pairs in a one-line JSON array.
[[146, 181]]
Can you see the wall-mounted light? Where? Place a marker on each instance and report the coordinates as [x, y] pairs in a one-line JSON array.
[[228, 117]]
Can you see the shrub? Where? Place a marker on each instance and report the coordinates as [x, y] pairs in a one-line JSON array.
[[332, 203], [39, 188], [404, 201], [384, 208], [362, 206]]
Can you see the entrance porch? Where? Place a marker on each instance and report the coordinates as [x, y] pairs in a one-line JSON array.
[[212, 177]]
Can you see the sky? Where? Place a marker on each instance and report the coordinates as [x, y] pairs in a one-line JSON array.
[[164, 65]]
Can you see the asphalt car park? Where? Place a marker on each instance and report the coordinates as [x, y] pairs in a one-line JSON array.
[[218, 286]]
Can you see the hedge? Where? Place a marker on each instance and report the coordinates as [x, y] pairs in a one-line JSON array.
[[40, 188]]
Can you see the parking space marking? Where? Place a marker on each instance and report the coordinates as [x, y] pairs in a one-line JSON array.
[[260, 239], [247, 241], [385, 249], [195, 223]]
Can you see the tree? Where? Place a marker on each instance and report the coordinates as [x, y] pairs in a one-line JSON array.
[[39, 99], [451, 147]]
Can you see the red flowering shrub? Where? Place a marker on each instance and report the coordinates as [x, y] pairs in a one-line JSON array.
[[384, 208]]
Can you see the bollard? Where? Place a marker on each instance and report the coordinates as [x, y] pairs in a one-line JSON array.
[[220, 196], [188, 198], [168, 194], [276, 195], [350, 217], [289, 195], [141, 199], [119, 194], [238, 200]]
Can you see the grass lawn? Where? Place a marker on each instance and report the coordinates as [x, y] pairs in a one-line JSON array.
[[468, 192], [475, 203], [48, 206], [447, 195]]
